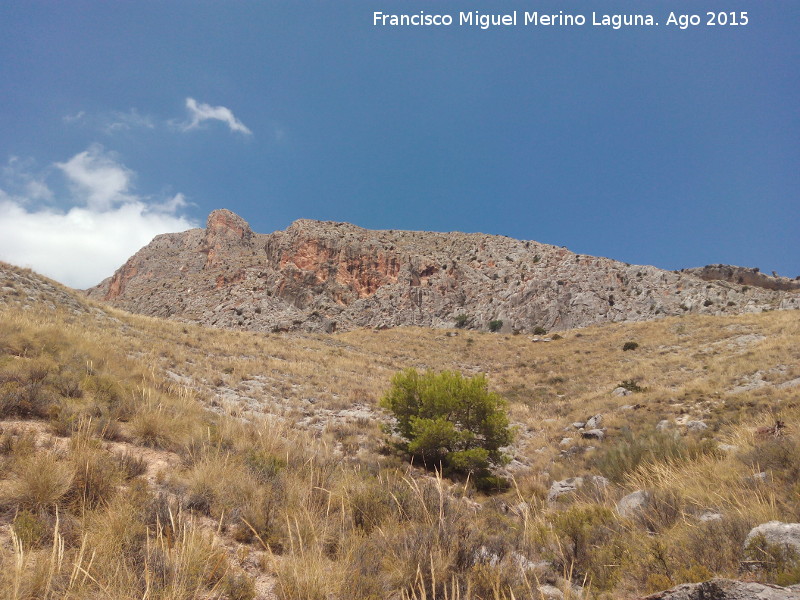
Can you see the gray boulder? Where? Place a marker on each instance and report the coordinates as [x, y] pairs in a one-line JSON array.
[[727, 589], [633, 503], [696, 426], [550, 592], [709, 515], [568, 486], [778, 533], [593, 434], [595, 422], [565, 486]]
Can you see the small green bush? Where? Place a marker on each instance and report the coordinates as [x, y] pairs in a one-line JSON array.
[[539, 330], [632, 386], [495, 325], [449, 420], [630, 346], [461, 321]]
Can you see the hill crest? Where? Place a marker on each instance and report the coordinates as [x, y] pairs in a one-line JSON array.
[[326, 276]]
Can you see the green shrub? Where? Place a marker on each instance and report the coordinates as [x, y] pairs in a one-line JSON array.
[[629, 346], [31, 528], [495, 325], [449, 420], [461, 321], [539, 330], [632, 386]]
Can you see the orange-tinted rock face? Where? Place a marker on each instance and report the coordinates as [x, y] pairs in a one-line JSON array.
[[228, 280], [225, 231], [224, 223], [363, 274], [117, 285]]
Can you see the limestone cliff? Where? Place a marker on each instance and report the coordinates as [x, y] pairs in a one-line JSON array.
[[323, 276]]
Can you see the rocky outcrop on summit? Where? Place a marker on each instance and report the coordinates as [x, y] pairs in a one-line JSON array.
[[324, 276], [745, 276]]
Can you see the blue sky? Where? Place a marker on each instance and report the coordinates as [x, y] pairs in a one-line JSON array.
[[651, 145]]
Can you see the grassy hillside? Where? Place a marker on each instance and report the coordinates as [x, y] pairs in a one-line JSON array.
[[147, 458]]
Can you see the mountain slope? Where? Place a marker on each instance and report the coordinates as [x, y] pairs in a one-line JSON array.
[[324, 276]]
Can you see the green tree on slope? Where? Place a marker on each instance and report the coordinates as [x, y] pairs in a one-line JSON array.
[[450, 421]]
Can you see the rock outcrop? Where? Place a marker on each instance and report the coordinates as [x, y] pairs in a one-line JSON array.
[[786, 535], [745, 276], [323, 276], [728, 589]]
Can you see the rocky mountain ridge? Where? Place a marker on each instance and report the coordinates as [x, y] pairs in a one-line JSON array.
[[327, 276]]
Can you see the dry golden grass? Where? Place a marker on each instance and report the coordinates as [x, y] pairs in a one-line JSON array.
[[277, 482]]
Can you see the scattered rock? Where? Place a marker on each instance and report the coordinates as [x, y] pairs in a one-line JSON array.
[[696, 426], [621, 391], [778, 533], [709, 515], [573, 451], [789, 384], [567, 486], [566, 441], [761, 477], [727, 589], [633, 503], [550, 592], [485, 556], [727, 447], [593, 434], [595, 422], [663, 425], [579, 425], [520, 509]]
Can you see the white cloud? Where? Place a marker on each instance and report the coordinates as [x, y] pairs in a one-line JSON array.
[[25, 186], [105, 224], [199, 112], [77, 117], [98, 178], [111, 122], [125, 121], [115, 122]]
